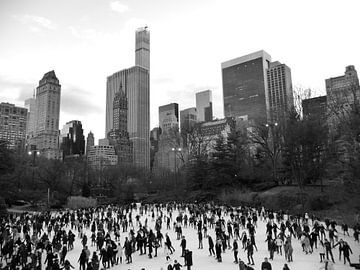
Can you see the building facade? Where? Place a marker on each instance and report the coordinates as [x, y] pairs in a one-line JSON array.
[[245, 87], [72, 140], [135, 84], [204, 106], [281, 97], [168, 156], [101, 156], [315, 108], [47, 116], [169, 117], [208, 133], [188, 119], [13, 125], [342, 94], [90, 141], [30, 105], [142, 48], [119, 136]]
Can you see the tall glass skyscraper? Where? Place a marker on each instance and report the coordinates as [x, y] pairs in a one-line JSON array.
[[245, 87], [204, 106]]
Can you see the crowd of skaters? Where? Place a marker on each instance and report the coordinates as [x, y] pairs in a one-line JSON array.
[[43, 240]]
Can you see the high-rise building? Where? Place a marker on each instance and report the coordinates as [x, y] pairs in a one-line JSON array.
[[142, 48], [154, 144], [188, 119], [204, 106], [135, 83], [315, 108], [245, 87], [47, 116], [90, 141], [281, 98], [169, 117], [72, 140], [30, 105], [169, 139], [13, 125], [119, 136]]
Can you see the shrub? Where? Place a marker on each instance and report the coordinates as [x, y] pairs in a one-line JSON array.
[[76, 202]]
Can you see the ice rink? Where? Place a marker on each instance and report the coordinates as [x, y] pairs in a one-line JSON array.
[[202, 260]]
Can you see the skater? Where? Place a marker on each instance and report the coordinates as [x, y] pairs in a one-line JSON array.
[[211, 245], [266, 265]]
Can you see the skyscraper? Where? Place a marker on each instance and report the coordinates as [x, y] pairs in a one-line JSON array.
[[72, 140], [245, 87], [142, 48], [119, 136], [47, 116], [188, 119], [204, 106], [90, 141], [170, 141], [13, 125], [30, 104], [135, 83], [281, 99], [168, 117]]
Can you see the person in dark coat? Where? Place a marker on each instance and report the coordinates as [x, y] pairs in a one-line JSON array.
[[211, 246], [346, 252], [82, 260], [266, 265]]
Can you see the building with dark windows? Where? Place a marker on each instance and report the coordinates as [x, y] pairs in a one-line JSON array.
[[119, 136], [13, 125], [342, 93], [204, 106], [90, 141], [72, 140], [245, 87], [135, 84], [281, 97], [315, 108], [47, 116]]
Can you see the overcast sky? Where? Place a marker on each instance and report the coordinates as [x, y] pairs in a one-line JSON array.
[[85, 41]]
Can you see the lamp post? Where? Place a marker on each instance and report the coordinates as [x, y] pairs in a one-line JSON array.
[[33, 152], [272, 126], [175, 150]]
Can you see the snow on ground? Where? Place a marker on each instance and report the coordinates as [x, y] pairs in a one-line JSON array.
[[202, 260]]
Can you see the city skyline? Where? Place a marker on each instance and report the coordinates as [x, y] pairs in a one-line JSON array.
[[83, 50]]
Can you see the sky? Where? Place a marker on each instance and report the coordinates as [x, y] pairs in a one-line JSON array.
[[85, 41]]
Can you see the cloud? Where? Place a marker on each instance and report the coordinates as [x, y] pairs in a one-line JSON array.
[[76, 102], [15, 92], [118, 6], [36, 23]]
